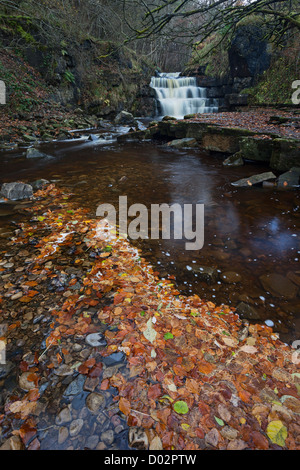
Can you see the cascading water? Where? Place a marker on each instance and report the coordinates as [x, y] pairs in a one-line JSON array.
[[178, 96]]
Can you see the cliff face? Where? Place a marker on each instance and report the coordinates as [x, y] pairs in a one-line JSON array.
[[84, 73], [248, 69]]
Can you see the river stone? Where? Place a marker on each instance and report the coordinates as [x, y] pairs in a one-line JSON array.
[[124, 118], [95, 401], [107, 437], [75, 427], [63, 434], [182, 143], [35, 153], [278, 285], [207, 273], [76, 386], [230, 277], [255, 179], [64, 416], [13, 443], [24, 383], [39, 184], [234, 160], [16, 191], [247, 311], [95, 340], [114, 358]]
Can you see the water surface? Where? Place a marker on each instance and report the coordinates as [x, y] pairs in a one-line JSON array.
[[251, 232]]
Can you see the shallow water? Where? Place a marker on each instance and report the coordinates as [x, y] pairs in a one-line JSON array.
[[252, 231]]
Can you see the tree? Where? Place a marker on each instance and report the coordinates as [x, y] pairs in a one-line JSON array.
[[196, 20]]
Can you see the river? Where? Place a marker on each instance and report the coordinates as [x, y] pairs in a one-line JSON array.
[[248, 233]]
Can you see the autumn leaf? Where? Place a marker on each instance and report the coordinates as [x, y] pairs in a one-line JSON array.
[[124, 406], [181, 407], [277, 432]]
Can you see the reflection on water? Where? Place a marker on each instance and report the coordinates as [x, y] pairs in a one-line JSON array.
[[249, 233]]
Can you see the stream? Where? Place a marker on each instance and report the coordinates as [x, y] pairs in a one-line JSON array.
[[250, 235]]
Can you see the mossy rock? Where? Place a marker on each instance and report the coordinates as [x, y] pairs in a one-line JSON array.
[[285, 154], [257, 149]]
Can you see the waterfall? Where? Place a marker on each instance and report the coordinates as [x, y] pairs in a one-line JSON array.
[[177, 96]]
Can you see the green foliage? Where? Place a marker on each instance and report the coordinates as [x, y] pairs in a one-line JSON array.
[[21, 87], [212, 54], [69, 76], [274, 87]]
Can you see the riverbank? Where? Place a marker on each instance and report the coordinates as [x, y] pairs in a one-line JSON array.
[[102, 353], [259, 135]]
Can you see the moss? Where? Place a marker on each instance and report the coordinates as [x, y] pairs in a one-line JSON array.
[[274, 87]]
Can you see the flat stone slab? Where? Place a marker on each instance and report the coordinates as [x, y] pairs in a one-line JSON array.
[[279, 286], [255, 179]]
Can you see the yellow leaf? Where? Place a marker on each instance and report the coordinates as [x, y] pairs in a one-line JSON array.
[[277, 432]]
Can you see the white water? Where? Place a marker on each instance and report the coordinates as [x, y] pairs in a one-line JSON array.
[[177, 96]]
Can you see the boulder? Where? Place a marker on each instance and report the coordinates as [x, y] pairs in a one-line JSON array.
[[125, 118], [285, 154], [256, 148], [16, 191]]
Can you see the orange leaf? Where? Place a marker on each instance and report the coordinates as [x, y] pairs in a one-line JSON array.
[[124, 406]]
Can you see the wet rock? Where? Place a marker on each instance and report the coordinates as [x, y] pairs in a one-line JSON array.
[[182, 143], [95, 401], [64, 416], [107, 437], [92, 442], [75, 427], [95, 340], [289, 179], [16, 191], [35, 153], [124, 118], [207, 274], [39, 184], [234, 160], [13, 443], [76, 386], [63, 434], [114, 358], [63, 370], [279, 286], [247, 311], [255, 179], [24, 383], [138, 439], [230, 277]]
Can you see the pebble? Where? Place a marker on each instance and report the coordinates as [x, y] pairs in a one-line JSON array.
[[95, 401], [76, 386], [24, 383], [95, 340], [107, 437], [63, 434], [63, 417], [17, 296], [75, 427]]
